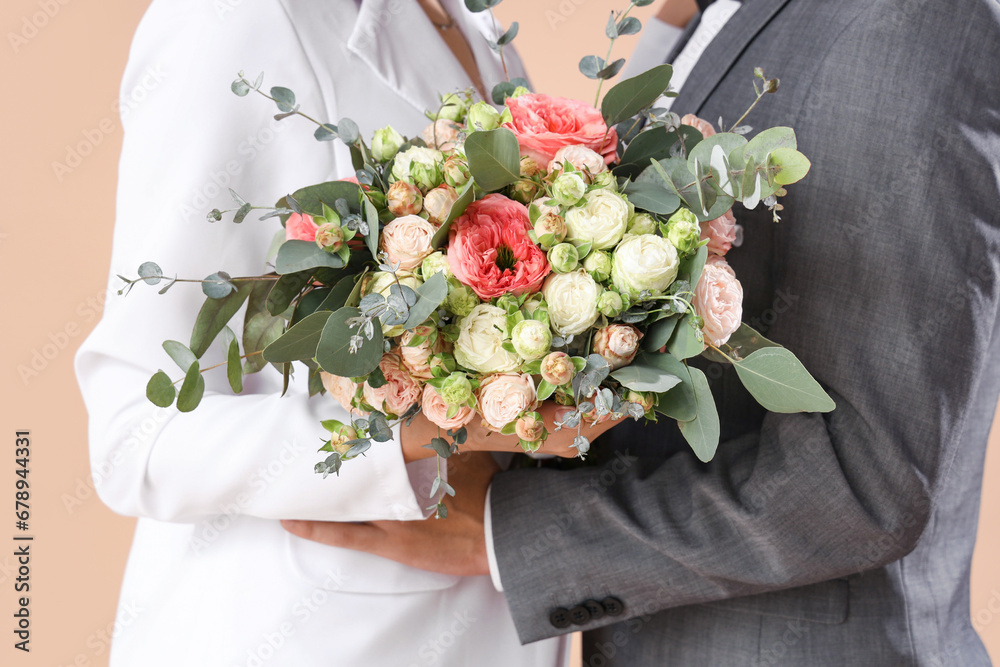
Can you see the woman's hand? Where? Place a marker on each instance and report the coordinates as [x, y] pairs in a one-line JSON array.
[[420, 432]]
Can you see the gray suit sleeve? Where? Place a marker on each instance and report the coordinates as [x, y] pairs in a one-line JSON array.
[[891, 247]]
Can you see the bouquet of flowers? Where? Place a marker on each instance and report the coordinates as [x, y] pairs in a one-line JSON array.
[[533, 249]]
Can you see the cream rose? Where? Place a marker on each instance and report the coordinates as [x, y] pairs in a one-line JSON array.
[[503, 397], [442, 134], [343, 390], [399, 392], [718, 299], [572, 301], [407, 240], [602, 220], [644, 262], [436, 410], [417, 357], [480, 341], [617, 343], [438, 203], [581, 157]]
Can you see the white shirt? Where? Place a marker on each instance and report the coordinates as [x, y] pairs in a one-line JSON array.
[[213, 580], [657, 40]]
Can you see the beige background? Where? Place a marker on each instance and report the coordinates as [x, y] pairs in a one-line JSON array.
[[61, 62]]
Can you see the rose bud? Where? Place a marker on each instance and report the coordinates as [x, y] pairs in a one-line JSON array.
[[461, 300], [385, 143], [436, 262], [530, 427], [550, 229], [568, 189], [564, 257], [482, 116], [641, 223], [529, 167], [330, 236], [340, 436], [611, 303], [557, 368], [643, 398], [531, 339], [456, 171], [456, 389], [684, 231], [598, 265], [438, 203], [617, 343], [453, 107], [525, 191], [404, 199]]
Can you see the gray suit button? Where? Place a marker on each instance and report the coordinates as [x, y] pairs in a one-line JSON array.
[[613, 606], [595, 608], [579, 615], [559, 618]]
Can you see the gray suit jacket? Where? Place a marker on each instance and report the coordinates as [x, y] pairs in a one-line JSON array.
[[839, 539]]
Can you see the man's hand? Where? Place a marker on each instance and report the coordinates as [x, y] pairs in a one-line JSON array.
[[455, 545]]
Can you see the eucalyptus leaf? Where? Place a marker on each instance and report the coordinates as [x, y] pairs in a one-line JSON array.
[[780, 383], [215, 314], [348, 131], [333, 352], [440, 447], [702, 432], [792, 165], [767, 142], [192, 390], [629, 26], [591, 65], [260, 331], [630, 96], [508, 36], [284, 98], [494, 158], [685, 343], [744, 342], [612, 69], [430, 295], [652, 197], [641, 377], [160, 390], [284, 290], [465, 197], [659, 333], [234, 367], [311, 199], [326, 132], [217, 285], [300, 341], [150, 272], [180, 353], [679, 403]]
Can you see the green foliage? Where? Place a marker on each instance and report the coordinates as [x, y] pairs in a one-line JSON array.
[[430, 295], [160, 391], [494, 158], [300, 341], [333, 352], [686, 341], [659, 333], [631, 96], [285, 289], [465, 197], [792, 166], [655, 144], [311, 199], [780, 383], [642, 377], [180, 353], [702, 432], [150, 272], [192, 389], [234, 367], [744, 342], [294, 256], [652, 197], [260, 331], [215, 314]]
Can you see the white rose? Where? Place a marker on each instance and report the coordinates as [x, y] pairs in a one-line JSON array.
[[531, 339], [602, 220], [407, 240], [480, 341], [429, 162], [585, 160], [644, 262], [502, 398], [572, 301]]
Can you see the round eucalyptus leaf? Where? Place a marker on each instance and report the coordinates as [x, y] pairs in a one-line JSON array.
[[218, 285], [150, 272]]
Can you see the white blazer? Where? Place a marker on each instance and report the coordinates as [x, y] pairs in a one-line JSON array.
[[212, 578]]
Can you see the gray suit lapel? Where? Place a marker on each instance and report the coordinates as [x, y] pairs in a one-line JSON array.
[[723, 52]]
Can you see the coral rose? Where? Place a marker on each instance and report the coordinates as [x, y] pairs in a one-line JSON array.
[[720, 233], [436, 410], [718, 299], [300, 227], [503, 397], [399, 392], [490, 251], [543, 124]]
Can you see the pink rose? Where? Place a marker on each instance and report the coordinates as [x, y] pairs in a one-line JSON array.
[[417, 357], [581, 157], [718, 299], [617, 343], [404, 199], [438, 203], [444, 131], [557, 368], [530, 427], [399, 392], [343, 390], [436, 410], [352, 179], [490, 251], [544, 124], [300, 227], [503, 397], [702, 126], [720, 233], [407, 240]]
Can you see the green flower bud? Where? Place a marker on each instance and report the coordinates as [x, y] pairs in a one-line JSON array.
[[683, 231], [604, 180], [525, 191], [564, 257], [568, 189], [529, 167], [611, 303], [330, 236], [456, 389], [520, 90], [436, 262], [456, 171], [482, 116], [419, 166], [532, 339], [641, 223], [386, 143], [426, 176], [598, 265], [340, 435], [461, 300], [453, 107]]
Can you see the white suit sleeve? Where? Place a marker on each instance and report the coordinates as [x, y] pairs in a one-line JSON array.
[[187, 139]]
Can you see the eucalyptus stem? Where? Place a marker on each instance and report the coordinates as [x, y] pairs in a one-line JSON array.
[[202, 370], [496, 29], [618, 20]]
